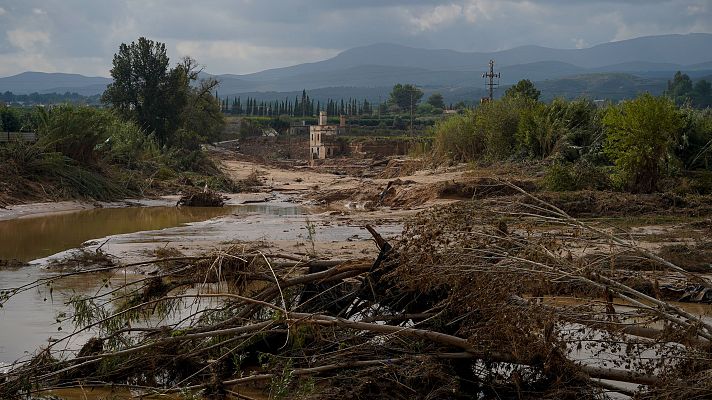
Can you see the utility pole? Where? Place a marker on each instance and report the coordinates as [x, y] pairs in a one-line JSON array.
[[490, 77], [411, 112]]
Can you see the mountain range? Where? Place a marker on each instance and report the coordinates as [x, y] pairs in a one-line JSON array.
[[645, 62]]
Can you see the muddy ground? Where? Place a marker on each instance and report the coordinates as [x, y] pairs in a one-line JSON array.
[[330, 203]]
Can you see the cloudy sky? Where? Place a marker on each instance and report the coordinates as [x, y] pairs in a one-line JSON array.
[[242, 36]]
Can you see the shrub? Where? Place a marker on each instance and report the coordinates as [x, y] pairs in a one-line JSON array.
[[487, 132], [694, 146], [457, 138], [540, 131], [567, 128], [75, 132], [129, 145], [581, 175], [640, 136]]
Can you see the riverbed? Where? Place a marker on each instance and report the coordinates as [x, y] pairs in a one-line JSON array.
[[129, 234]]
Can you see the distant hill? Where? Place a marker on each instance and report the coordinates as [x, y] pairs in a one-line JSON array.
[[611, 86], [40, 82], [633, 65]]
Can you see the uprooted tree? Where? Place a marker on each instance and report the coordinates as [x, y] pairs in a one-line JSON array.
[[460, 306]]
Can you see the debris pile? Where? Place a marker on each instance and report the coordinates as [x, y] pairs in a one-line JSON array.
[[205, 198], [478, 299]]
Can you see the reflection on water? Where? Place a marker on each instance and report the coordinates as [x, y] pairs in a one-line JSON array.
[[29, 319], [28, 239]]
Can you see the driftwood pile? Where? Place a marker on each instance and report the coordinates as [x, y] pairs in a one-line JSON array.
[[475, 300], [205, 198]]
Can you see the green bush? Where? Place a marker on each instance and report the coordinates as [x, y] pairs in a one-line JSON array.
[[540, 131], [129, 145], [9, 119], [488, 132], [694, 147], [581, 175], [457, 138], [566, 128], [66, 177], [75, 132], [641, 133]]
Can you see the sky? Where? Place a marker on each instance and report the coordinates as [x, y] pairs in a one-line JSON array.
[[244, 36]]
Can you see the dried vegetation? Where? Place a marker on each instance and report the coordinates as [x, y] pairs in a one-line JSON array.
[[508, 297]]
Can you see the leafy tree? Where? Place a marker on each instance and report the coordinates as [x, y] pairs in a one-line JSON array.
[[146, 90], [702, 94], [201, 114], [680, 88], [161, 100], [428, 109], [641, 133], [694, 147], [436, 100], [9, 119], [405, 96], [523, 89]]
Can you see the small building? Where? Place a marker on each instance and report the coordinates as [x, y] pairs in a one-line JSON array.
[[299, 128], [323, 138]]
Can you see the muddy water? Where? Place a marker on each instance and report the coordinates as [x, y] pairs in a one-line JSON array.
[[28, 320], [27, 239]]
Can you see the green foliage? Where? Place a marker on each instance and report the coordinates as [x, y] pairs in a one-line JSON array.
[[428, 109], [159, 99], [144, 90], [9, 119], [694, 148], [92, 153], [436, 100], [581, 175], [524, 89], [566, 128], [682, 91], [129, 146], [540, 130], [405, 97], [201, 115], [498, 122], [641, 133], [75, 132], [457, 139], [488, 132]]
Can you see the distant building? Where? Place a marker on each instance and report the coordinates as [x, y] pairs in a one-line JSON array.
[[299, 128], [323, 138], [600, 103]]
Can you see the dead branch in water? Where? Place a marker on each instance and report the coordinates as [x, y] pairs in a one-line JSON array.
[[468, 302]]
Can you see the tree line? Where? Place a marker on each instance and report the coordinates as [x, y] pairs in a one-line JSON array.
[[47, 98], [298, 107], [402, 98]]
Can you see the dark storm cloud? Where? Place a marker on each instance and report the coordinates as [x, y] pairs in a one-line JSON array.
[[241, 36]]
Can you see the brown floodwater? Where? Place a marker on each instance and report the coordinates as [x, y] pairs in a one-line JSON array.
[[27, 239], [29, 319]]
